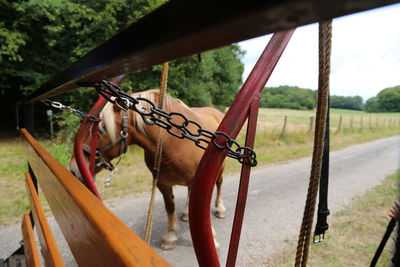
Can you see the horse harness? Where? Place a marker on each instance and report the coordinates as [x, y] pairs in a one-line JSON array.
[[122, 138]]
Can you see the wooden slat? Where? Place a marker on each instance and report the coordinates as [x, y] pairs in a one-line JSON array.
[[31, 253], [95, 235], [49, 248]]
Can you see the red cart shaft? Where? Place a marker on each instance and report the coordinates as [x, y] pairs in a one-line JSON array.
[[213, 158]]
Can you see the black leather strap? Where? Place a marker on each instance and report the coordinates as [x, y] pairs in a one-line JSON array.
[[323, 211]]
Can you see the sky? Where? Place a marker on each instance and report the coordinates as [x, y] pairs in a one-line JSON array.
[[365, 54]]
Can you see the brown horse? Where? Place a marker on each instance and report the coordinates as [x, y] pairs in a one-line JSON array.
[[180, 157]]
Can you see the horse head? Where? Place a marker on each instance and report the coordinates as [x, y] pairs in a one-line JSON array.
[[118, 129], [112, 140]]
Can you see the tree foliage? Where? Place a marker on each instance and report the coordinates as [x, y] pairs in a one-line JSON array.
[[347, 102], [40, 38], [387, 100], [291, 97], [372, 105], [214, 79], [43, 37]]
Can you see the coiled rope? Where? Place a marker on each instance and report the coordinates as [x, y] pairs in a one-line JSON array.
[[157, 155], [325, 44]]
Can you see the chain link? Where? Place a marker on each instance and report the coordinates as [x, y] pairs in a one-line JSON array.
[[58, 105], [154, 116]]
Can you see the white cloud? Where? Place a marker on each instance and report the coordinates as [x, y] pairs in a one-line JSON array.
[[365, 54]]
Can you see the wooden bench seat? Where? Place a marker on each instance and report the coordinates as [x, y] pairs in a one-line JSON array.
[[94, 234], [31, 253], [49, 248]]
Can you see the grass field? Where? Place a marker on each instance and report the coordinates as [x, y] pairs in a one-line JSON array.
[[354, 232], [133, 177]]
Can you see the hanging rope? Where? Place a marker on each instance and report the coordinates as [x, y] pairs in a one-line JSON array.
[[325, 39], [157, 155]]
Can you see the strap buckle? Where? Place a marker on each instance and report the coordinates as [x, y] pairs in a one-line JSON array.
[[319, 237], [321, 227]]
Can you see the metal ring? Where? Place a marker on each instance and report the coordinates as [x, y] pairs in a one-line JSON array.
[[123, 134], [57, 105], [126, 102]]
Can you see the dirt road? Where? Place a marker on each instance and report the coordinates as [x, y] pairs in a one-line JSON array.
[[274, 207]]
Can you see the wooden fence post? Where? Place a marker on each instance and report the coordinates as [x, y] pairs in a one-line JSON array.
[[351, 122], [339, 130], [384, 122], [361, 123], [284, 127], [390, 122], [311, 125], [369, 122], [376, 123], [50, 115]]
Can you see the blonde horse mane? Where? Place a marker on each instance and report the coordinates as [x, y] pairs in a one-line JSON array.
[[108, 115]]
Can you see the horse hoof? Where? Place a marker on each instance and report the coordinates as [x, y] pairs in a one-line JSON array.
[[167, 245], [221, 214], [169, 241], [185, 217]]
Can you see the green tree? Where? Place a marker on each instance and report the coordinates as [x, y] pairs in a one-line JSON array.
[[213, 80], [372, 105], [291, 97], [389, 99], [347, 102], [39, 38]]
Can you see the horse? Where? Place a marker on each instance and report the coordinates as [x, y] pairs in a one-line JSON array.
[[180, 157]]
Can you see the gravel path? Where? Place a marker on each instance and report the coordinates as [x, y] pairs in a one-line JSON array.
[[274, 206]]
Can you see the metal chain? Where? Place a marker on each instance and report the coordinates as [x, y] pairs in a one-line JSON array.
[[60, 106], [112, 168], [163, 119]]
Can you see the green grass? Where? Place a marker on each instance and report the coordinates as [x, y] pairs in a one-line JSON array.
[[132, 176], [13, 199], [355, 232]]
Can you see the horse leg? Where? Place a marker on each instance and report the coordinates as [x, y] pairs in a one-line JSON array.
[[185, 211], [219, 203], [169, 239]]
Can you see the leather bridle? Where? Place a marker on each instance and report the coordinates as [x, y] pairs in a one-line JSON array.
[[122, 138]]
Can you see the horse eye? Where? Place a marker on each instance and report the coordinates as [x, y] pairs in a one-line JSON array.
[[102, 129]]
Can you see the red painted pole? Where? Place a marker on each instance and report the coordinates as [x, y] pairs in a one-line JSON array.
[[207, 172], [78, 146], [80, 137], [243, 187]]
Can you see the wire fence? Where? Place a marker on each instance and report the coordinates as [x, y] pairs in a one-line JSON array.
[[338, 124]]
